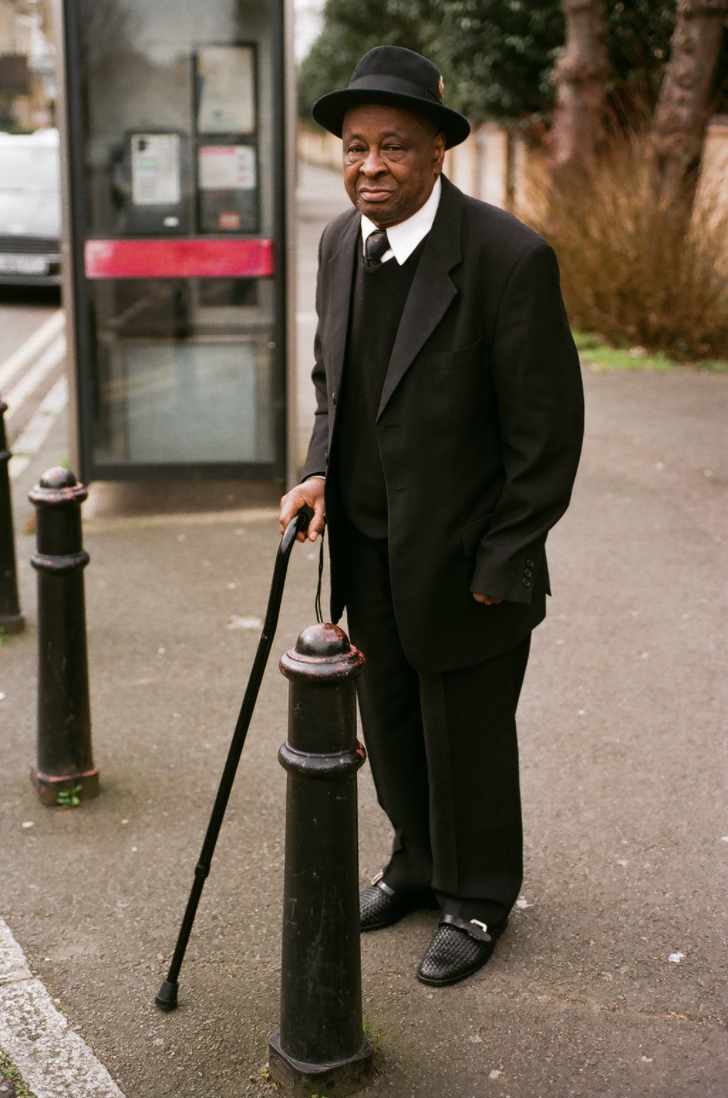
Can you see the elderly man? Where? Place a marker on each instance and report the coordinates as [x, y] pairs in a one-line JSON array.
[[446, 442]]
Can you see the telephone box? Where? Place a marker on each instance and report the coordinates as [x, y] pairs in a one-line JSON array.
[[174, 120]]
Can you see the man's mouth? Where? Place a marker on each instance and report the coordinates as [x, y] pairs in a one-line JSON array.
[[374, 194]]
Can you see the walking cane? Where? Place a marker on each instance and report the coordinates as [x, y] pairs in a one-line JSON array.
[[166, 998]]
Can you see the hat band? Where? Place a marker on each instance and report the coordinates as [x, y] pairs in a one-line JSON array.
[[395, 84]]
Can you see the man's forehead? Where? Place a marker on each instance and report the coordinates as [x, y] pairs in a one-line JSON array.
[[388, 121]]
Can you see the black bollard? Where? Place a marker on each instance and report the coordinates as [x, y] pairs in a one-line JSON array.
[[320, 1047], [65, 773], [11, 620]]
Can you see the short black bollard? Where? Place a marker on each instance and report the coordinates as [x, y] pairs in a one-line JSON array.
[[320, 1047], [65, 773], [11, 620]]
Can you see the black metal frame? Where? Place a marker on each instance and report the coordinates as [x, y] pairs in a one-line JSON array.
[[75, 232]]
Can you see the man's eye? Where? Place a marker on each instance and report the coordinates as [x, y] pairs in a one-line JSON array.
[[355, 150]]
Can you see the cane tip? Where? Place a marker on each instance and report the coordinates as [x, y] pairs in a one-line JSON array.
[[166, 997]]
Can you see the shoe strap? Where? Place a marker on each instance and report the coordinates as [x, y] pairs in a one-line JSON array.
[[473, 927], [379, 883]]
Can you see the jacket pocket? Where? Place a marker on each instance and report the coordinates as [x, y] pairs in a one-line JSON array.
[[472, 534], [451, 360]]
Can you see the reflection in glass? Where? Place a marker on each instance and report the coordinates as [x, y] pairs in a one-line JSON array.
[[184, 370], [197, 402]]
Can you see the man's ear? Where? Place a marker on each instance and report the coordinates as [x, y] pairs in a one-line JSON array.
[[440, 142]]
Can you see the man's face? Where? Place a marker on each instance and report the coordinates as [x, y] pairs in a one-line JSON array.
[[391, 161]]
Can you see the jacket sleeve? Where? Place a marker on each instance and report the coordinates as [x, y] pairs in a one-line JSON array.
[[317, 455], [538, 389]]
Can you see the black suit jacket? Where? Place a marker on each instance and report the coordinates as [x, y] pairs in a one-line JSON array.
[[479, 428]]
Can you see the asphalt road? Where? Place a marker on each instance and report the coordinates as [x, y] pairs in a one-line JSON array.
[[611, 979], [32, 361], [21, 313]]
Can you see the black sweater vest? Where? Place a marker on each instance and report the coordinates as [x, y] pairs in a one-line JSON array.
[[378, 299]]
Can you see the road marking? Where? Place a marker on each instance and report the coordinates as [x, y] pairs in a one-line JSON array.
[[28, 444], [35, 343], [29, 382], [54, 1061]]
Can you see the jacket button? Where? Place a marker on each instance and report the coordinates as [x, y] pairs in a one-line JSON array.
[[529, 564], [526, 583], [528, 573]]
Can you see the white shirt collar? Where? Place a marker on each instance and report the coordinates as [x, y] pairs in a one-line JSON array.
[[404, 238]]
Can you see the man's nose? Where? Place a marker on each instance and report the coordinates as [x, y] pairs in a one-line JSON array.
[[372, 164]]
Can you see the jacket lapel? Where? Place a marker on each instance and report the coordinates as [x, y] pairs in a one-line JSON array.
[[340, 275], [431, 292]]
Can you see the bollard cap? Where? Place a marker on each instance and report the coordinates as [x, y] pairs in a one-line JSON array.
[[58, 485], [323, 654]]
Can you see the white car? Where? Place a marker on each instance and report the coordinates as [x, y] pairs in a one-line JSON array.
[[30, 208]]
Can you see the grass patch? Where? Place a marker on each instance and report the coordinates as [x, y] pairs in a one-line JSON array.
[[594, 352], [376, 1036], [13, 1076]]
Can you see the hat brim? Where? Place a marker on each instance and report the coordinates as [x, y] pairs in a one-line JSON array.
[[330, 109]]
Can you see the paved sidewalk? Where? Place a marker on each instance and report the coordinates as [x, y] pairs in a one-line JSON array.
[[611, 980]]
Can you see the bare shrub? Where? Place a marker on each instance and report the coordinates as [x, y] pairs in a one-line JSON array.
[[635, 267]]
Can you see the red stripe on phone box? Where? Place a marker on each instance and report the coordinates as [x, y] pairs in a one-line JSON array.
[[195, 258]]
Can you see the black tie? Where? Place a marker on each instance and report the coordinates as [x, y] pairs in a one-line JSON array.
[[375, 246]]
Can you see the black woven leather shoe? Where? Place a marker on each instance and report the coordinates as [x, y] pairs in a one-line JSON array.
[[380, 905], [458, 949]]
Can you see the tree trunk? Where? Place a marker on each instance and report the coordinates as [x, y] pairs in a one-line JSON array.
[[683, 105], [581, 77]]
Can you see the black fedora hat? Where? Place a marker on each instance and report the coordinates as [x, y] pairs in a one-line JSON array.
[[393, 75]]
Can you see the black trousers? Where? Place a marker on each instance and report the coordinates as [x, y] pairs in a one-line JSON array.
[[443, 752]]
